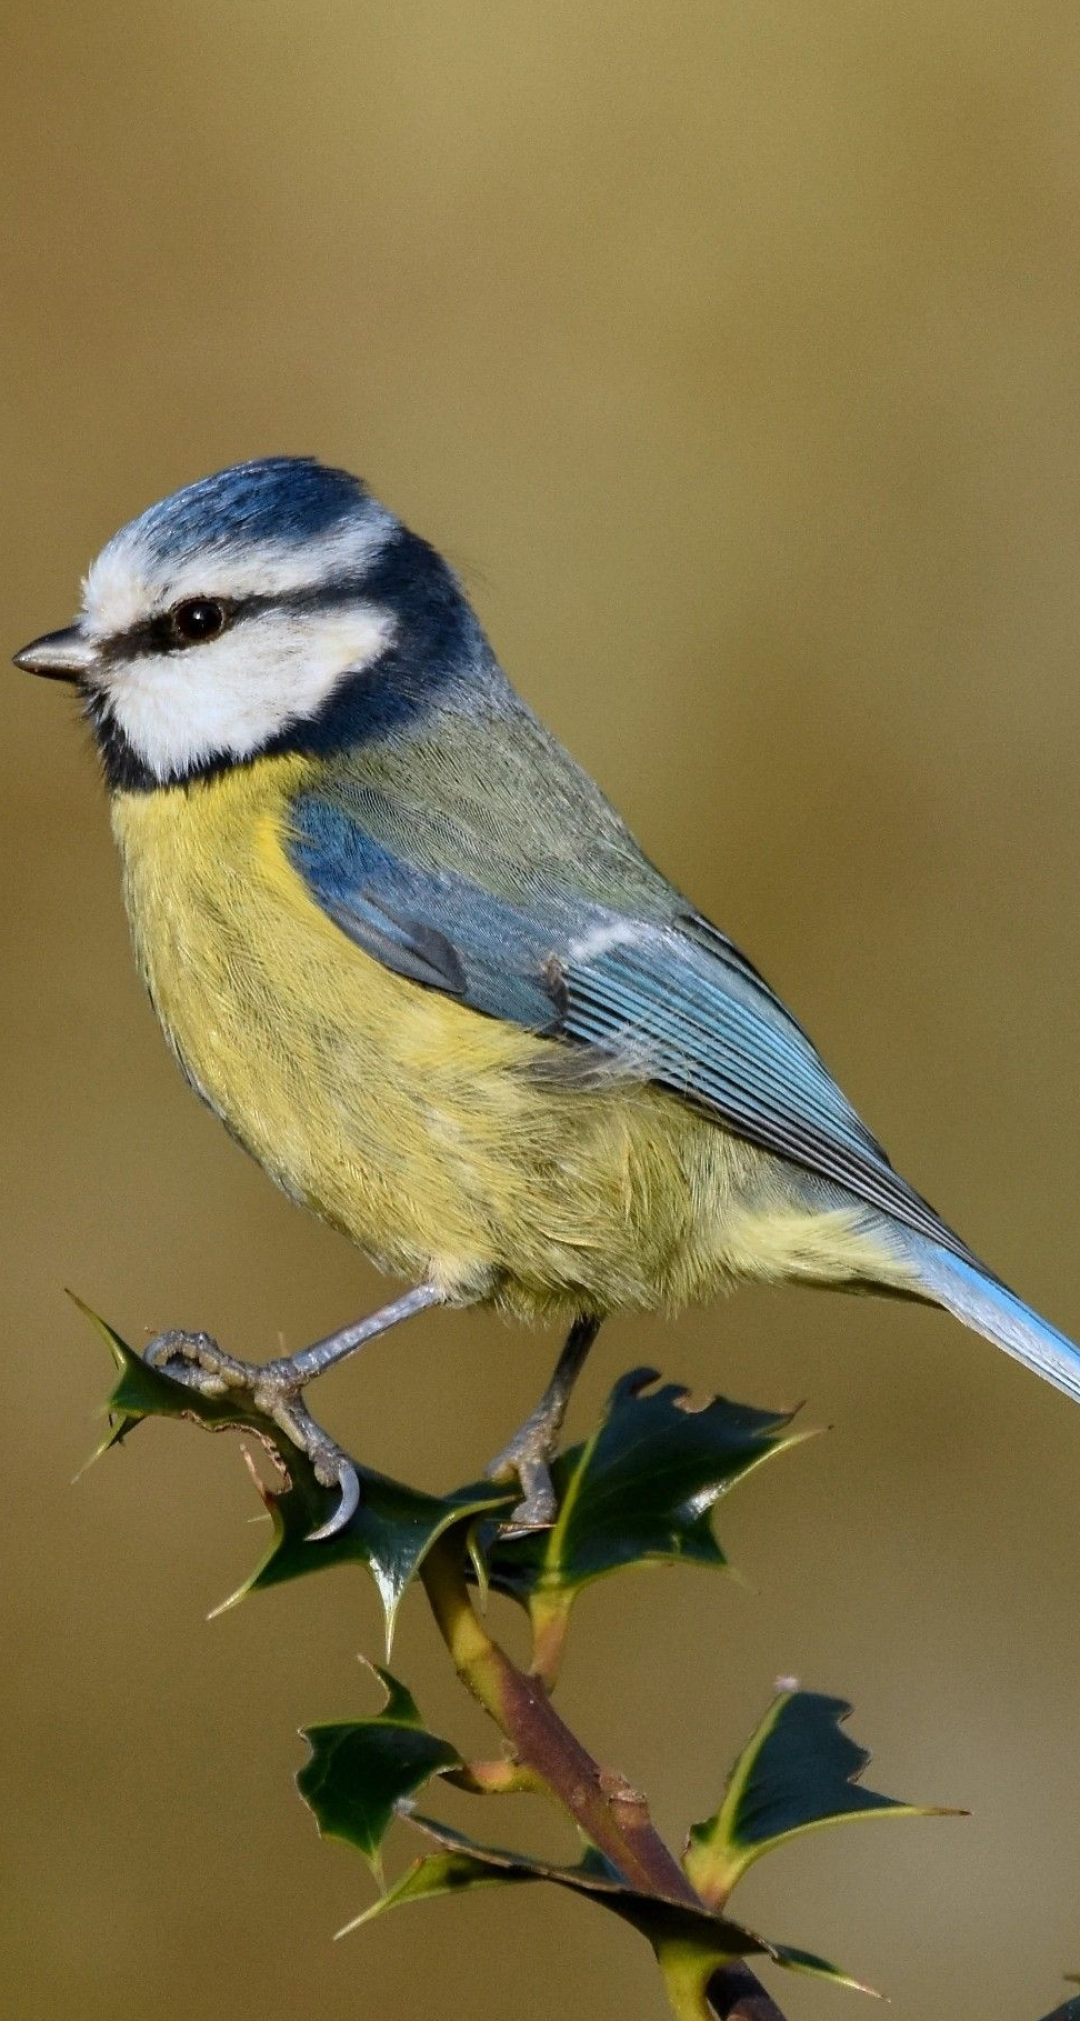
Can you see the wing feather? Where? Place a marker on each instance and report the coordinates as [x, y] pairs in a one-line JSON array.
[[672, 997]]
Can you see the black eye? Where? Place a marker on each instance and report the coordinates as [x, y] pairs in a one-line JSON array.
[[201, 618]]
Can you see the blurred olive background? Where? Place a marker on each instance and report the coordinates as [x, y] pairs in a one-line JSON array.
[[733, 353]]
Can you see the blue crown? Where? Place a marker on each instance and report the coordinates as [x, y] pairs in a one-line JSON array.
[[276, 498]]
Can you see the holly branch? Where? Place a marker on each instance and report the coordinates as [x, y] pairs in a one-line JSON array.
[[642, 1489]]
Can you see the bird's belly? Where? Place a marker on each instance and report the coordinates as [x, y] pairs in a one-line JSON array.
[[420, 1128]]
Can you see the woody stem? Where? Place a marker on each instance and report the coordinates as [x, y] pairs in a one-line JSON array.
[[612, 1814]]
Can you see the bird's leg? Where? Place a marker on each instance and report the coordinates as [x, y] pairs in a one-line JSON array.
[[532, 1448], [276, 1387]]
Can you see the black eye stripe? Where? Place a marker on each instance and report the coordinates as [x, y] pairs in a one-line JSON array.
[[154, 636]]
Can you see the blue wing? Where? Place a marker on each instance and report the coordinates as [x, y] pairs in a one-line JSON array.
[[672, 996]]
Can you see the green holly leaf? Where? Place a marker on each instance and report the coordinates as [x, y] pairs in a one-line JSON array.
[[141, 1391], [463, 1863], [798, 1772], [440, 1874], [641, 1491], [391, 1532], [361, 1770], [690, 1944]]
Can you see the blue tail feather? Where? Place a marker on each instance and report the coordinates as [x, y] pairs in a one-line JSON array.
[[990, 1308]]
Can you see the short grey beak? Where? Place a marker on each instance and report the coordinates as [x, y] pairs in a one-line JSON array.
[[60, 656]]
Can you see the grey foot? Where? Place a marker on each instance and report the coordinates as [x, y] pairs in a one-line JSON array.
[[528, 1457], [275, 1389]]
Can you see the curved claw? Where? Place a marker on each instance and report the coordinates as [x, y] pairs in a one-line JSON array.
[[348, 1481]]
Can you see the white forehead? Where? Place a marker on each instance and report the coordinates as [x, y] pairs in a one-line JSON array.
[[131, 580]]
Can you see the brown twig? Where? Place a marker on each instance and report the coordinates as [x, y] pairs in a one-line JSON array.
[[736, 1995], [609, 1811]]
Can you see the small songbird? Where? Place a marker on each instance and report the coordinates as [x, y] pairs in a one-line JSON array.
[[411, 956]]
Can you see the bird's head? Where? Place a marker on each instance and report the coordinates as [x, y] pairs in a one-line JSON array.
[[234, 613]]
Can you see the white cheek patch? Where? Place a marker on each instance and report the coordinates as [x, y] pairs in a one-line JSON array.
[[232, 695], [128, 583]]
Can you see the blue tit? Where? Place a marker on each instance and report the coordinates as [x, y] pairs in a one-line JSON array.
[[407, 951]]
